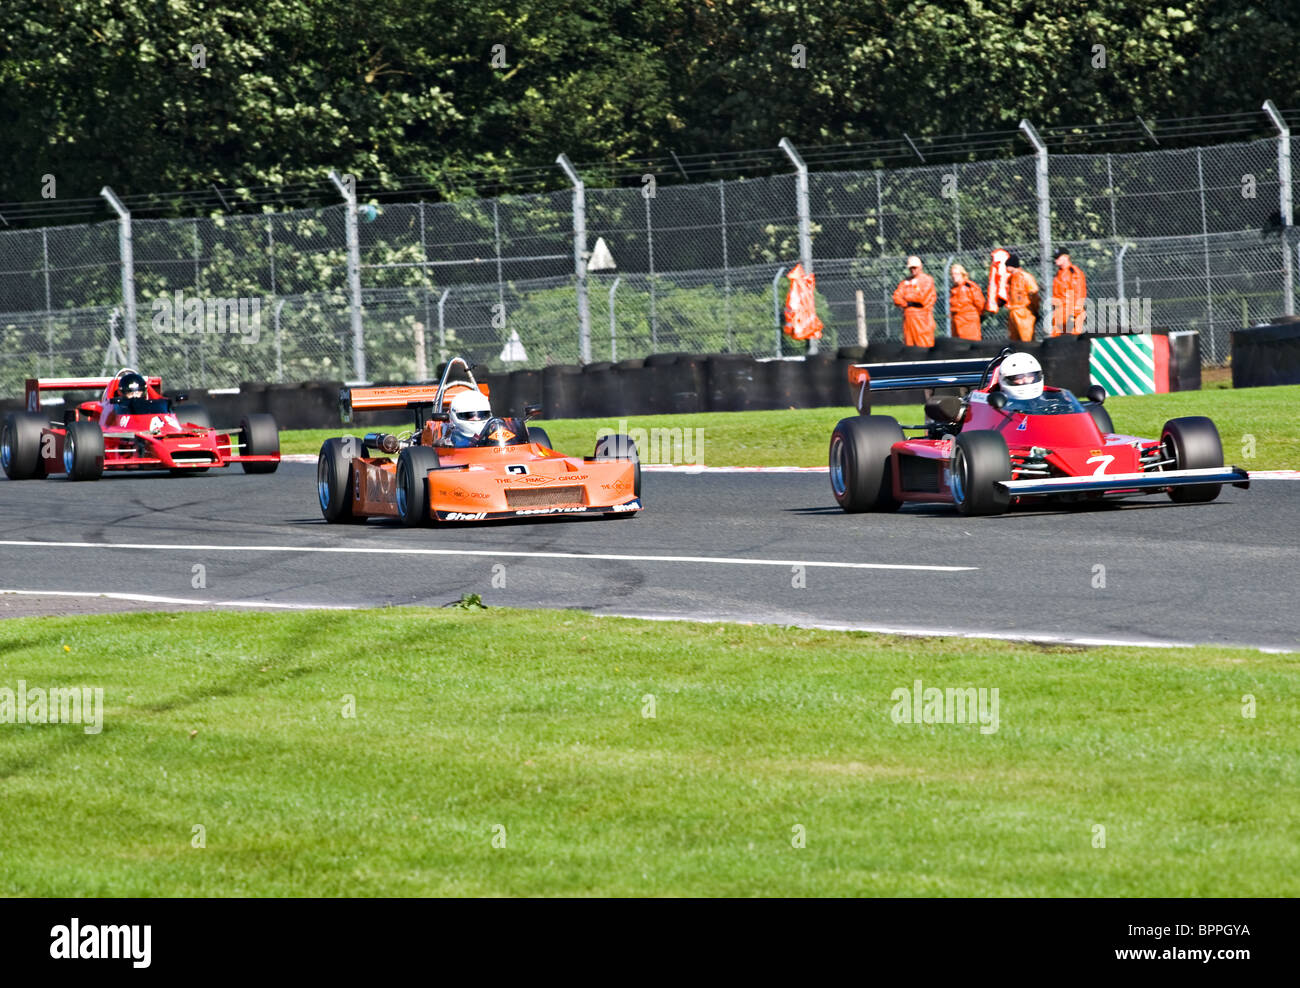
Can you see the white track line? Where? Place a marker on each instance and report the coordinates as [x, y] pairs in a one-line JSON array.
[[144, 598], [687, 468], [489, 553]]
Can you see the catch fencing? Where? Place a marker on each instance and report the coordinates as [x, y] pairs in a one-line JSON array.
[[1194, 234]]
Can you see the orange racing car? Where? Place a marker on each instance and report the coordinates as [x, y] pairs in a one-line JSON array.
[[461, 463]]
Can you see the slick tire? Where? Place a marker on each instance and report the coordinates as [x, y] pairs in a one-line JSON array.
[[1101, 417], [860, 463], [335, 488], [413, 466], [195, 415], [618, 446], [979, 460], [83, 451], [261, 438], [20, 445], [536, 434], [1193, 443]]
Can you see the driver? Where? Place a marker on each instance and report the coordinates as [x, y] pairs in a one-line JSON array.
[[1020, 376], [470, 411], [132, 387]]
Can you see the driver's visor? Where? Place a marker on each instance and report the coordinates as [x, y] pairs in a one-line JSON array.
[[1031, 377], [475, 416]]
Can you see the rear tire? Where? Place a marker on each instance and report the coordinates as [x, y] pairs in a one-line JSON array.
[[83, 451], [20, 445], [861, 456], [536, 434], [413, 466], [335, 488], [618, 446], [979, 460], [193, 415], [1101, 417], [261, 438], [1193, 443]]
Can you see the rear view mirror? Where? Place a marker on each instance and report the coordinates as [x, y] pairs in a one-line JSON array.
[[1097, 394], [345, 406], [997, 401], [532, 411]]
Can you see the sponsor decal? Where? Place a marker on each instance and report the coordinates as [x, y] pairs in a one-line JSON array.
[[501, 435], [465, 515], [1024, 424], [979, 398], [516, 468], [620, 485], [549, 511], [630, 506]]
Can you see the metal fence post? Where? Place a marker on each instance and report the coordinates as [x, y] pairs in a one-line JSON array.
[[805, 217], [1284, 198], [349, 194], [198, 287], [1205, 245], [956, 204], [1110, 193], [579, 255], [947, 296], [127, 257], [496, 229], [650, 277], [1119, 288], [424, 266], [776, 307], [613, 344], [880, 214], [279, 351], [1044, 207], [442, 327], [49, 329], [726, 265]]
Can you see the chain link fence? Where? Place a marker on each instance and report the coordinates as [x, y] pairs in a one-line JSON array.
[[1193, 235]]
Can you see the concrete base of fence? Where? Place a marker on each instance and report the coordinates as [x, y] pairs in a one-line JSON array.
[[1266, 355]]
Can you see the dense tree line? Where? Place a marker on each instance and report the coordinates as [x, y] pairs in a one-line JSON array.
[[149, 95]]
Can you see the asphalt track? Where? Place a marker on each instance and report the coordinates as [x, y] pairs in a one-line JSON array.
[[762, 547]]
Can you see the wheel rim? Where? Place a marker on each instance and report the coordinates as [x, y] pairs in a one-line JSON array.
[[69, 456], [958, 480], [6, 451], [322, 485], [837, 467]]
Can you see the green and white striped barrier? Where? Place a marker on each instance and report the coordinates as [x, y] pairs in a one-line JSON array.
[[1124, 365]]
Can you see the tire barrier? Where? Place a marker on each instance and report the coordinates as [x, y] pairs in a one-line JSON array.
[[680, 384], [1266, 355], [562, 391], [732, 382]]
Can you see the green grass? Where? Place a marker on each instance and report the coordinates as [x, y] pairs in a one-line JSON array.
[[799, 437], [469, 720]]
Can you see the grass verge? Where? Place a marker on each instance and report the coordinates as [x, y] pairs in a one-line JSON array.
[[532, 728], [1256, 425]]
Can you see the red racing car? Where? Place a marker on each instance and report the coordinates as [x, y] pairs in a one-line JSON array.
[[1001, 443], [132, 426]]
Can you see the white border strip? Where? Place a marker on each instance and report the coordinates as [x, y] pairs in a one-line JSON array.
[[368, 550], [144, 598]]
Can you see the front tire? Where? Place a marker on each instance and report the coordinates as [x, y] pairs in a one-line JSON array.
[[261, 438], [83, 451], [1193, 444], [1101, 417], [20, 445], [617, 446], [979, 460], [413, 466], [861, 457], [335, 487]]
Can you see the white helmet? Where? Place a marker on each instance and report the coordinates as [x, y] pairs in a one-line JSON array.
[[1021, 377], [470, 411]]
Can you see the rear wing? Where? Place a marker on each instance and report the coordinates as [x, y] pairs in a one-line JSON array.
[[400, 396], [913, 374], [35, 385]]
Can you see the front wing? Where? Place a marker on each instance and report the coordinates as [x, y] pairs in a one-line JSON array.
[[1116, 482]]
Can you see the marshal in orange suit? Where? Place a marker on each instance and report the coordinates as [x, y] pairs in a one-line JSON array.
[[966, 304], [1069, 292], [916, 296]]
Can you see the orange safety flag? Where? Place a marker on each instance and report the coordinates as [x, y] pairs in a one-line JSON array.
[[997, 279], [801, 320]]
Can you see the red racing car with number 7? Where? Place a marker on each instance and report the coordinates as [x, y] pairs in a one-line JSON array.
[[1009, 440]]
